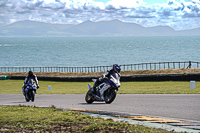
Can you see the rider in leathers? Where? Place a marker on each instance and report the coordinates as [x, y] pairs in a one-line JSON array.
[[29, 77], [116, 69]]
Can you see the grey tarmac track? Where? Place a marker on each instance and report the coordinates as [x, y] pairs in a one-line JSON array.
[[184, 108], [177, 106]]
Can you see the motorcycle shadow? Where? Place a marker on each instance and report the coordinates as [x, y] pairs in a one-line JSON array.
[[94, 103], [20, 102]]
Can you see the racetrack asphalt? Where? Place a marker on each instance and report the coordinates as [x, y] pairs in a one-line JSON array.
[[177, 106]]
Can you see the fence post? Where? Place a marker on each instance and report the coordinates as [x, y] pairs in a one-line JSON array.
[[190, 64], [150, 66], [159, 65]]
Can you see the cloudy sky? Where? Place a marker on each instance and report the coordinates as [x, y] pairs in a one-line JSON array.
[[178, 14]]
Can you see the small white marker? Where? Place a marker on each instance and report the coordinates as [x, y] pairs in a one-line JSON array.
[[192, 84], [49, 87]]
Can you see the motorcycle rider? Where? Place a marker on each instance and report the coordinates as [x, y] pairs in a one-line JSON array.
[[29, 77], [115, 69]]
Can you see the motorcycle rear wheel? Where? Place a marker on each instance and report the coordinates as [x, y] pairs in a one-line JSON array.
[[109, 95], [89, 97]]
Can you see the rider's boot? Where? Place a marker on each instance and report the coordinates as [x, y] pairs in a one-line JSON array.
[[96, 93], [94, 90]]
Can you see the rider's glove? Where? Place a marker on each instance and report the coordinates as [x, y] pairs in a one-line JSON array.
[[38, 86], [100, 78]]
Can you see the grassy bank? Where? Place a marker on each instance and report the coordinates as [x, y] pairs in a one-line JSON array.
[[167, 87], [30, 119], [97, 74]]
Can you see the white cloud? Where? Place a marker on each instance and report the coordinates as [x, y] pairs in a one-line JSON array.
[[13, 20], [125, 3], [178, 15]]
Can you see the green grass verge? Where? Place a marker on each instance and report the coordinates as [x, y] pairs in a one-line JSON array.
[[32, 119], [167, 87]]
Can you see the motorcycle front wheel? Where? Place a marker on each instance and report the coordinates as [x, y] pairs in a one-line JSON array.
[[109, 95], [32, 95], [27, 100], [27, 96], [89, 97]]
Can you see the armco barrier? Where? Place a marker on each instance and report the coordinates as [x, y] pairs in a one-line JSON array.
[[152, 77], [163, 77]]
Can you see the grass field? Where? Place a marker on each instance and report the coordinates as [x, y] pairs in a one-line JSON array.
[[167, 87], [31, 119]]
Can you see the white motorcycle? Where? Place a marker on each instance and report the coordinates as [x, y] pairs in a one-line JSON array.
[[29, 91], [106, 91]]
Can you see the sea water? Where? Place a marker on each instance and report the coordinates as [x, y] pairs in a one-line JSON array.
[[96, 51]]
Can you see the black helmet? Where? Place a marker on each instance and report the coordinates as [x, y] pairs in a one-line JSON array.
[[30, 73], [116, 68]]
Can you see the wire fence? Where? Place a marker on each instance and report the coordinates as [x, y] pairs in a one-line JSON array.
[[127, 67]]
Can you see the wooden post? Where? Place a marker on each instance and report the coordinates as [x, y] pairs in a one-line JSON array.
[[165, 66], [159, 65], [150, 66]]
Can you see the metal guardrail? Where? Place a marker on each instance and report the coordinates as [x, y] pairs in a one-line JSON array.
[[127, 67], [161, 65]]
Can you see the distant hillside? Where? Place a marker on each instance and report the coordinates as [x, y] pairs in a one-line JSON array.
[[107, 28], [32, 28], [88, 28]]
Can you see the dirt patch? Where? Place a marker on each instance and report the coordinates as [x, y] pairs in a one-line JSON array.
[[97, 74], [72, 128]]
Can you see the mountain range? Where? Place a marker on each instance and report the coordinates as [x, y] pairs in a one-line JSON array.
[[114, 28]]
